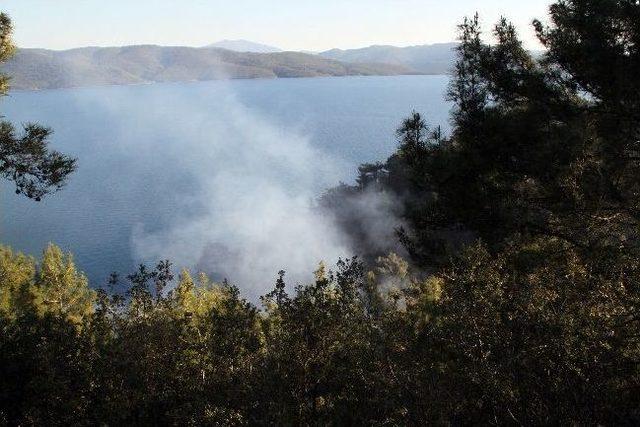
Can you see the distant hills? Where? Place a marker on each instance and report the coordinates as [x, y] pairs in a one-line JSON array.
[[426, 59], [245, 46], [33, 69]]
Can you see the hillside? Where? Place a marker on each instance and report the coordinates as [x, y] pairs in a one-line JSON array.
[[33, 69], [427, 59]]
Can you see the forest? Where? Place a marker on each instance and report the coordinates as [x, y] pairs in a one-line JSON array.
[[515, 300]]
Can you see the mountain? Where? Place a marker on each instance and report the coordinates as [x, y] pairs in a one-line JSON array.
[[245, 46], [33, 69], [427, 59]]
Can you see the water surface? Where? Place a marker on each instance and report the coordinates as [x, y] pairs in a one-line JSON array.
[[148, 155]]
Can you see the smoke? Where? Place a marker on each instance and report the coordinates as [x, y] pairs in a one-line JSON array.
[[251, 213], [369, 216], [371, 219], [233, 192]]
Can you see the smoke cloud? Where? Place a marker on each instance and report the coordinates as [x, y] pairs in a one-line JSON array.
[[235, 191], [252, 213]]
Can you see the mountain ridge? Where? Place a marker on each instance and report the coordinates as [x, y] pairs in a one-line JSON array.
[[436, 58], [36, 69]]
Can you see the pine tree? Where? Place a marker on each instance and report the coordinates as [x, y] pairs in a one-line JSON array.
[[60, 289], [24, 157], [17, 274]]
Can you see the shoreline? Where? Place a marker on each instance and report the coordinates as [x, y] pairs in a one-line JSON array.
[[20, 90]]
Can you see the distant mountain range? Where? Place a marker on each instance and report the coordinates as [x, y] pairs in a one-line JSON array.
[[33, 69], [426, 59], [245, 46]]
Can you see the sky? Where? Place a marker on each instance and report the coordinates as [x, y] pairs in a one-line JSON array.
[[313, 25]]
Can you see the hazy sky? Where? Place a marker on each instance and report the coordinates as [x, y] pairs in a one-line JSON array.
[[289, 24]]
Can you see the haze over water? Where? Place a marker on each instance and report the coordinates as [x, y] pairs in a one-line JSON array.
[[194, 172]]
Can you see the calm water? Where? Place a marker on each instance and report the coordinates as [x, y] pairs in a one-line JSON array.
[[148, 154]]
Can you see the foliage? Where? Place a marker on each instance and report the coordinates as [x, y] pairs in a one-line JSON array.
[[25, 158], [518, 303]]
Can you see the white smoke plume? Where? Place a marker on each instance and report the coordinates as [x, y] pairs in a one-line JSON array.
[[255, 181], [248, 208]]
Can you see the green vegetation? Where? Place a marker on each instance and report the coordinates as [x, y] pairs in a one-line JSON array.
[[518, 302]]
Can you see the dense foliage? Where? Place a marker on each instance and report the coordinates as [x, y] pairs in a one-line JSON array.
[[518, 302]]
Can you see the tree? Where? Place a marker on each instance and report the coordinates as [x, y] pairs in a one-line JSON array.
[[60, 289], [526, 217], [518, 304], [542, 147], [25, 158], [17, 273]]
